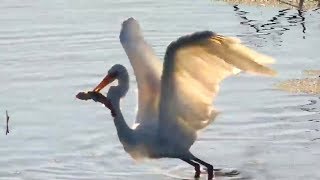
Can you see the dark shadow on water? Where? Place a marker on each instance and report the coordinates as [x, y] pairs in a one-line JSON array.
[[276, 26], [224, 173], [313, 107]]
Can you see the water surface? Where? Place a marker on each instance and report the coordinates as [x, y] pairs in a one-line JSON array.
[[50, 50]]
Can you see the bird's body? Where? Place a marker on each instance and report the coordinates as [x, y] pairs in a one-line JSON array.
[[175, 99], [142, 141], [146, 144]]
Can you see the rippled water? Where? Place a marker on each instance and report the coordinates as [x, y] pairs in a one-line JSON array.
[[52, 49]]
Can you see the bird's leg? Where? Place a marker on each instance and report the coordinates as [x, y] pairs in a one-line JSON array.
[[195, 165], [207, 165]]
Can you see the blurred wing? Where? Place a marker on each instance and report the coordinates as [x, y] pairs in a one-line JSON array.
[[193, 68], [147, 69]]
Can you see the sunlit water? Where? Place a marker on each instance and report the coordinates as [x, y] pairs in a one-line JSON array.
[[50, 50]]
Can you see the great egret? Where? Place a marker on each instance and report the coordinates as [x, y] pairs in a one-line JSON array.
[[174, 101]]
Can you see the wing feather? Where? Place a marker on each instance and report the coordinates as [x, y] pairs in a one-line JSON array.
[[193, 68], [147, 68]]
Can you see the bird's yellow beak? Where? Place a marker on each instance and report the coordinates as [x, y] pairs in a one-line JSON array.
[[107, 80]]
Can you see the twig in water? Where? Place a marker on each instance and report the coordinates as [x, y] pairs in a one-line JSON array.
[[7, 131]]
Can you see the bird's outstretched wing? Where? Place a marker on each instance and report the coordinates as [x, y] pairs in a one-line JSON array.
[[147, 69], [194, 66]]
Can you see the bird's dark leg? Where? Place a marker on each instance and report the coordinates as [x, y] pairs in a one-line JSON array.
[[207, 165], [195, 165]]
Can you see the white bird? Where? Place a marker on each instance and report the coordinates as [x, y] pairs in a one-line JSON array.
[[174, 100]]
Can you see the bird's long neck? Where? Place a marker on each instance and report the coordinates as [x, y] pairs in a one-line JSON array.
[[123, 130], [115, 94]]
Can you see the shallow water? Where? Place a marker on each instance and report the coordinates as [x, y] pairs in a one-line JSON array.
[[50, 50]]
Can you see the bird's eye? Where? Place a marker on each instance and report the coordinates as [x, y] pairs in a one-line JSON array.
[[113, 74]]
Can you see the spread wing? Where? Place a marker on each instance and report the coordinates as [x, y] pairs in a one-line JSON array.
[[193, 68], [147, 69]]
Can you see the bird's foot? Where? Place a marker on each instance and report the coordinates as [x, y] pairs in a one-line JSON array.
[[211, 173], [229, 173], [225, 172]]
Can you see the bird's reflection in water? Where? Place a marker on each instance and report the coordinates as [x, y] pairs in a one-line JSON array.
[[276, 26]]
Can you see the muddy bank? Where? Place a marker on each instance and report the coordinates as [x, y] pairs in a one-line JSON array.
[[308, 4], [307, 85]]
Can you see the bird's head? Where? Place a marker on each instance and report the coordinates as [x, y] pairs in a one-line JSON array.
[[118, 72], [130, 30]]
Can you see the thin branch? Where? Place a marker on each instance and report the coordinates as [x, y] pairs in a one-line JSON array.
[[7, 131]]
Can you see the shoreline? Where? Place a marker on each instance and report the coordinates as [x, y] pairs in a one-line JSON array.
[[292, 4]]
